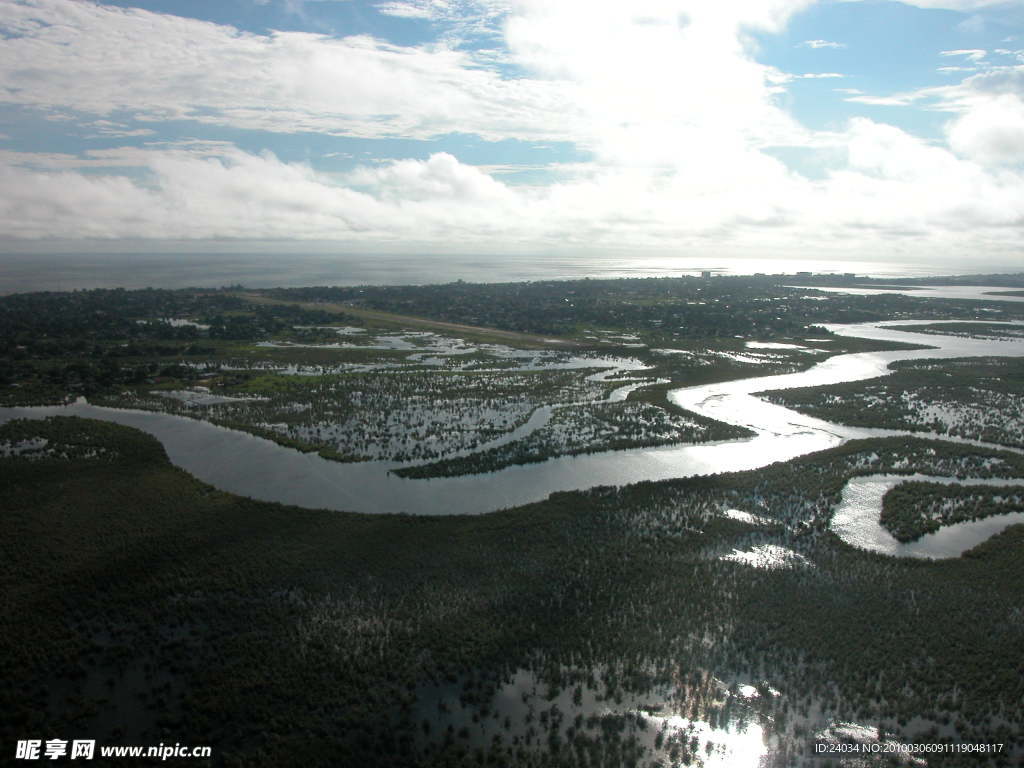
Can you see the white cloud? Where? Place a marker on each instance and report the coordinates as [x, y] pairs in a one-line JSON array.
[[990, 82], [108, 129], [974, 54], [992, 132], [120, 157], [889, 185], [667, 96], [778, 78], [183, 196], [972, 92], [159, 67], [440, 178], [597, 77], [588, 68], [822, 44], [406, 10], [659, 83], [896, 100], [460, 19], [220, 192], [958, 5]]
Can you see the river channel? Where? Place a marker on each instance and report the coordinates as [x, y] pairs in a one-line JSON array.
[[250, 466]]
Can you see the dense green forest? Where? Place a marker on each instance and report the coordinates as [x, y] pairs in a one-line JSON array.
[[88, 342], [143, 605]]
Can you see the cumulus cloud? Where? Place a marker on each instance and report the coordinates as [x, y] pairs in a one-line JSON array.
[[992, 132], [219, 191], [659, 83], [891, 183], [182, 195], [441, 177]]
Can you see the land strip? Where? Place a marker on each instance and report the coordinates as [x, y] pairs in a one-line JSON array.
[[393, 321]]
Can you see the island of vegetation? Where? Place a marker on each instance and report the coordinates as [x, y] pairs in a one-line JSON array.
[[912, 509], [969, 330]]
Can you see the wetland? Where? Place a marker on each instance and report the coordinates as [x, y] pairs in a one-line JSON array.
[[609, 550]]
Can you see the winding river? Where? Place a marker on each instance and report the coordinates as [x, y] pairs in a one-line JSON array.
[[251, 466]]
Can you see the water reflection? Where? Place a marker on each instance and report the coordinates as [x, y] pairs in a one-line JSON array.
[[733, 746], [961, 292], [592, 711]]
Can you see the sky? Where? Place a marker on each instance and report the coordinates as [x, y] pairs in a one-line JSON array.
[[866, 130]]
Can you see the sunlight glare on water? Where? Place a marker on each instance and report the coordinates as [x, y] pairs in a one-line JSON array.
[[731, 747]]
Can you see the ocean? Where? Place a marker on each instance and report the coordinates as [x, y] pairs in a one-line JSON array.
[[21, 273]]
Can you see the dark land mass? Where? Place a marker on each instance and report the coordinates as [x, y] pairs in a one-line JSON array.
[[687, 307], [600, 627], [144, 606]]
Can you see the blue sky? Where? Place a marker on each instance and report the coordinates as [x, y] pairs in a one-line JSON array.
[[776, 128]]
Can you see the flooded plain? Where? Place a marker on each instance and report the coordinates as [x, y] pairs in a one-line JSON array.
[[594, 709], [250, 466]]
